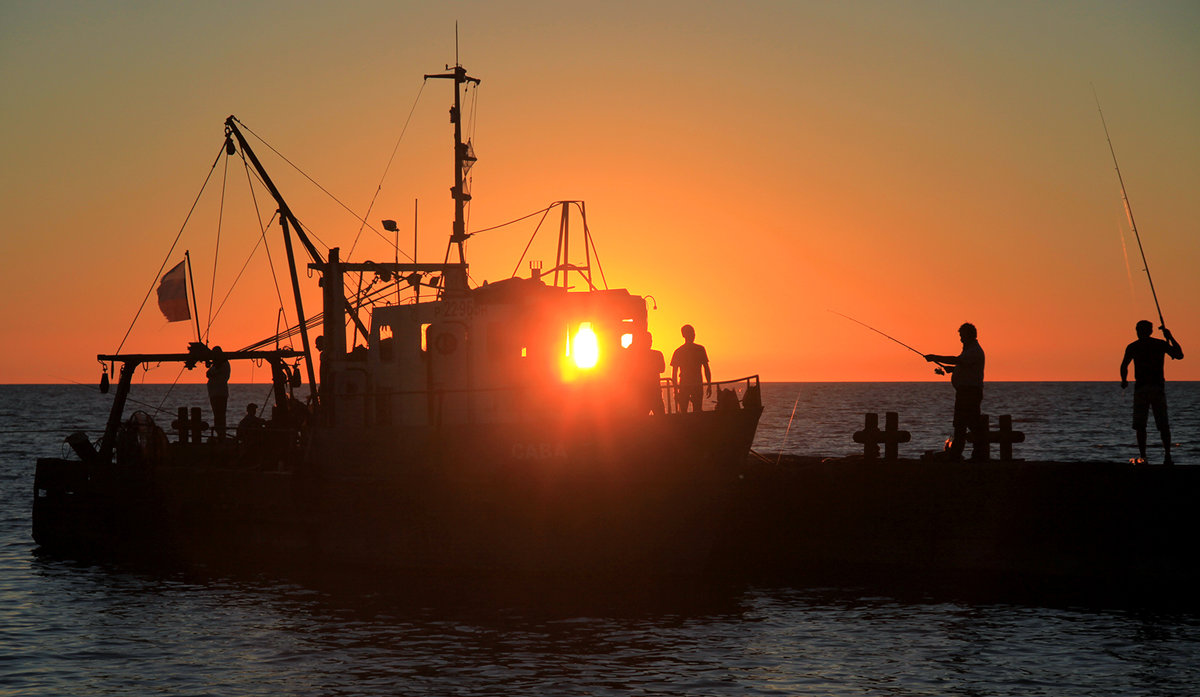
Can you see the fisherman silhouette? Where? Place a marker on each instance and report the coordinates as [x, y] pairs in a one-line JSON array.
[[218, 388], [966, 374], [251, 425], [1149, 386], [686, 364]]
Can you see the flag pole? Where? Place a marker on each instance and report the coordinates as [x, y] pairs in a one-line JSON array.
[[192, 284]]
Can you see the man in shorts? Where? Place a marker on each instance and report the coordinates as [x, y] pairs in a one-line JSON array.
[[1149, 386]]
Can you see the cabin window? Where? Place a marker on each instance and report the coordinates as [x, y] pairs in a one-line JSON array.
[[425, 337], [626, 333]]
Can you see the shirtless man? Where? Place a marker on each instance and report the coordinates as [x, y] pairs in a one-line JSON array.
[[1149, 386], [686, 364]]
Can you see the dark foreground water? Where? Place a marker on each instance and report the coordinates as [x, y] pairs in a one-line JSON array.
[[68, 628]]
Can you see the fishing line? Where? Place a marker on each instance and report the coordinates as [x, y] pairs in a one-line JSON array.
[[1129, 210], [1128, 270], [939, 370], [779, 455]]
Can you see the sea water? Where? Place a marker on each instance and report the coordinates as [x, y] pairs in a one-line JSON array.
[[74, 628]]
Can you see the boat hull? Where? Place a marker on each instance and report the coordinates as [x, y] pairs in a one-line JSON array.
[[641, 495]]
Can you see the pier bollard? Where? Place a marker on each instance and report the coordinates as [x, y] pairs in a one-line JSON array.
[[981, 450], [197, 425], [180, 424], [869, 437], [983, 436], [1006, 436], [891, 436]]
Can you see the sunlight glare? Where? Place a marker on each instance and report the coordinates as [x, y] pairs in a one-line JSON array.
[[584, 347]]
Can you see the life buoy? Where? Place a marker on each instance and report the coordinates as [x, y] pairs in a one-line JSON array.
[[446, 343]]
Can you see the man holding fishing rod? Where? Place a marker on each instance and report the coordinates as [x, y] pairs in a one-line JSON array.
[[966, 374], [1149, 384]]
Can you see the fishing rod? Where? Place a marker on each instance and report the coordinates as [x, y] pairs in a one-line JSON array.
[[938, 370], [1129, 210]]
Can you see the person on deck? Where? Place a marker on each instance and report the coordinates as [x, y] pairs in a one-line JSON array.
[[650, 365], [218, 388], [966, 374], [1149, 386], [686, 365], [251, 426]]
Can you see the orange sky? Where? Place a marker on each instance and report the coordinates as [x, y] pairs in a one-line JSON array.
[[912, 164]]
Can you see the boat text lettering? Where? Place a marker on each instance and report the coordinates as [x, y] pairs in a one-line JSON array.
[[458, 309], [539, 451]]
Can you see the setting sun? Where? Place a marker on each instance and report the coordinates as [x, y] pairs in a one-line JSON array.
[[585, 351]]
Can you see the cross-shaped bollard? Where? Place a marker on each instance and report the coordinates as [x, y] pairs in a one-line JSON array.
[[184, 426], [1006, 436], [891, 436], [982, 437]]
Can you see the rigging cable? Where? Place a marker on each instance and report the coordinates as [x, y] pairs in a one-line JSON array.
[[263, 234], [212, 289], [306, 229], [322, 189], [545, 212], [474, 97], [242, 272], [166, 259], [379, 187], [591, 241]]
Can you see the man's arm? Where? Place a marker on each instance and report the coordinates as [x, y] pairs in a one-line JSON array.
[[707, 379], [1174, 350], [1125, 367]]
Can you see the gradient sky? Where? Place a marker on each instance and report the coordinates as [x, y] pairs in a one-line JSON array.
[[750, 165]]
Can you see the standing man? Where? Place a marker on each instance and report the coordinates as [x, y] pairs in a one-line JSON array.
[[966, 374], [686, 364], [218, 388], [1149, 385]]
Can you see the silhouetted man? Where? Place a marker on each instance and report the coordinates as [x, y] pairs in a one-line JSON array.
[[251, 425], [686, 364], [218, 388], [649, 365], [966, 374], [1149, 385]]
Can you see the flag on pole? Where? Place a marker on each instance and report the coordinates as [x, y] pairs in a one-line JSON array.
[[172, 294]]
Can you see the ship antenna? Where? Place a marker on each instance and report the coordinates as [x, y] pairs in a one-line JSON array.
[[463, 157]]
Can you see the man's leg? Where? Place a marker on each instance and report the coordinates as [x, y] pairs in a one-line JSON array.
[[1164, 426], [1141, 409], [967, 403], [958, 441]]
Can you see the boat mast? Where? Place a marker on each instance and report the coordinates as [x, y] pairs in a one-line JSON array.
[[462, 157]]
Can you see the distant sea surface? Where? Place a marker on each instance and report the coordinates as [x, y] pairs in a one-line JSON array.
[[73, 628]]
